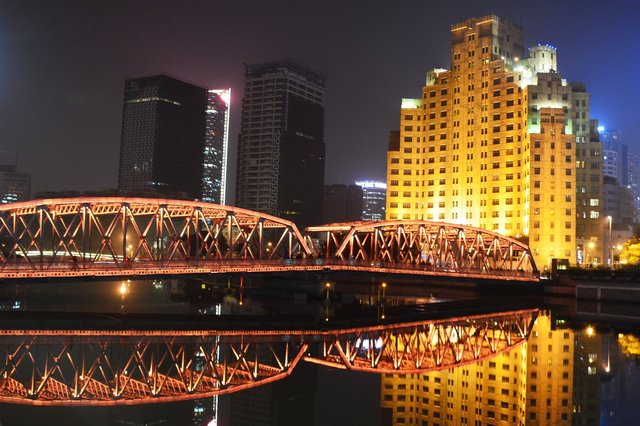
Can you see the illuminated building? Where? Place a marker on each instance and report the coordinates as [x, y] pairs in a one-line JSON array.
[[216, 145], [342, 203], [14, 186], [492, 143], [531, 384], [374, 196], [163, 135], [281, 147], [620, 164]]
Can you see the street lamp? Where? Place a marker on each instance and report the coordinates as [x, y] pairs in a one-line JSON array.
[[610, 246], [589, 249]]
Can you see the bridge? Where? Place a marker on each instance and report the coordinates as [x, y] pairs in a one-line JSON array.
[[120, 236], [98, 366]]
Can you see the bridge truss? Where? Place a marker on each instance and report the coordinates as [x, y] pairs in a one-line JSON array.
[[83, 367], [106, 235], [111, 236], [425, 246]]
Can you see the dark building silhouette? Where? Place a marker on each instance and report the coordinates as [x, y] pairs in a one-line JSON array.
[[281, 147], [163, 136], [342, 203], [14, 185]]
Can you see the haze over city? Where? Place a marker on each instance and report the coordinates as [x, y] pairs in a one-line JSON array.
[[64, 64]]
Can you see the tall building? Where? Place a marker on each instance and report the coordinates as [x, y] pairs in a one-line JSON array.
[[14, 186], [163, 137], [620, 164], [342, 203], [492, 143], [374, 197], [281, 147], [216, 145]]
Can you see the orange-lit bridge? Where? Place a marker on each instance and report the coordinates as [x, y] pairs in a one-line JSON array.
[[98, 366], [116, 236]]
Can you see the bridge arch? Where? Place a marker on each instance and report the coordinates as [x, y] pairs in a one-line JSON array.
[[426, 244], [119, 230]]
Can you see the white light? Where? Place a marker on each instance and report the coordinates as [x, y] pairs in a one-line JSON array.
[[600, 128]]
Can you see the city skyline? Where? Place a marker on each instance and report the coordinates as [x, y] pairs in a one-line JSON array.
[[65, 63]]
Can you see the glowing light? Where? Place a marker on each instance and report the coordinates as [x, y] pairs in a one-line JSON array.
[[411, 103], [123, 288], [590, 331], [371, 184], [600, 128]]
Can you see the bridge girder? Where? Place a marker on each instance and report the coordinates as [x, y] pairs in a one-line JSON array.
[[425, 244], [89, 231]]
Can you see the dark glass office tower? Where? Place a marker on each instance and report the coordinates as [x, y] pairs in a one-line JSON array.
[[281, 147], [163, 135]]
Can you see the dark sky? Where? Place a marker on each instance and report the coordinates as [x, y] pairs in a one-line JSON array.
[[63, 65]]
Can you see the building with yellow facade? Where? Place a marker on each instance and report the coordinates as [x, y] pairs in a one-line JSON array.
[[492, 143]]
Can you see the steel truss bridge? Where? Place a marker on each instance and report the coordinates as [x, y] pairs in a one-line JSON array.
[[115, 236], [98, 367]]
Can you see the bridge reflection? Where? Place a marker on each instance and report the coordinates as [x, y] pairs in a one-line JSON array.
[[98, 366]]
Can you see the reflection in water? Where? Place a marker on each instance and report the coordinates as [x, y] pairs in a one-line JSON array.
[[559, 376], [553, 378]]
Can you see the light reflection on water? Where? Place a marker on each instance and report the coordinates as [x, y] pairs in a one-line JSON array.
[[566, 373]]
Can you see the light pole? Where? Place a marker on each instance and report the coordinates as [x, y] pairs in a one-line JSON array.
[[610, 246]]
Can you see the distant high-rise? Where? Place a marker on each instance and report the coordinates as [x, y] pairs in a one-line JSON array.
[[620, 164], [14, 186], [163, 137], [281, 147], [374, 197], [216, 146], [342, 203]]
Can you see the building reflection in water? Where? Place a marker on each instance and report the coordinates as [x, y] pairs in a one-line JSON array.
[[552, 379]]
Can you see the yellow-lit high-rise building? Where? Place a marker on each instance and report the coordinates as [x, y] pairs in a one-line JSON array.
[[491, 143]]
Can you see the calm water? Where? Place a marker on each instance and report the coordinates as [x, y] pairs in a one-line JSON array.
[[575, 368]]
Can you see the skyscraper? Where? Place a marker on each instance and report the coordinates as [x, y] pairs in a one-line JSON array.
[[163, 137], [281, 147], [374, 195], [492, 143], [14, 186], [214, 177], [342, 203], [620, 164]]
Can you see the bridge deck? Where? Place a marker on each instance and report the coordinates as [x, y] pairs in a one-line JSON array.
[[194, 267]]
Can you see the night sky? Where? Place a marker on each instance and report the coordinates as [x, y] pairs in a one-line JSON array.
[[63, 65]]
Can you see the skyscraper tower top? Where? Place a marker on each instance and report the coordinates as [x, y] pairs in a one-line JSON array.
[[506, 38]]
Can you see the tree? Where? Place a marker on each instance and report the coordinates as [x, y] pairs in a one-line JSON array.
[[630, 253]]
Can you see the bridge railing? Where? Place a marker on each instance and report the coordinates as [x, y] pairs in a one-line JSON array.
[[195, 266]]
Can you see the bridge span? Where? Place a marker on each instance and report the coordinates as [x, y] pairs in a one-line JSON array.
[[120, 236]]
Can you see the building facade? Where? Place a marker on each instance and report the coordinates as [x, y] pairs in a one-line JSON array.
[[14, 186], [342, 203], [621, 165], [492, 143], [281, 149], [374, 197], [163, 138], [216, 146]]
